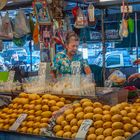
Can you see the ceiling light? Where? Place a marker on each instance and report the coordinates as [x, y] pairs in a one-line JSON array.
[[106, 0], [10, 2]]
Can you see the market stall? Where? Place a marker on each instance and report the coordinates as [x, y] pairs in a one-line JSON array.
[[70, 106]]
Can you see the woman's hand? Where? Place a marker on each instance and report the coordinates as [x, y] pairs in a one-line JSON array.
[[87, 70], [134, 76]]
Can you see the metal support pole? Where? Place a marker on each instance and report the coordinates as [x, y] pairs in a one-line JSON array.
[[30, 47], [103, 47], [136, 37]]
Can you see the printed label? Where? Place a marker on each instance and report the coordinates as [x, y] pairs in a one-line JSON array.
[[18, 122], [83, 129]]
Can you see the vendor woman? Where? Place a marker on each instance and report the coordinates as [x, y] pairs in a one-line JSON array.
[[65, 61]]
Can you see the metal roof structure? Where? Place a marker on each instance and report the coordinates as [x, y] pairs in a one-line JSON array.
[[113, 6], [13, 4]]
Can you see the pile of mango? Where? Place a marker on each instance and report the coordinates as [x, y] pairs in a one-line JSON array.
[[109, 123], [39, 110]]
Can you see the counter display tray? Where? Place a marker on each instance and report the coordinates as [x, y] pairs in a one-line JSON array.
[[13, 94], [9, 135], [135, 136], [6, 97]]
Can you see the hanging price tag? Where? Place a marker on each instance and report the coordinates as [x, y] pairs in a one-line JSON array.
[[18, 122], [81, 134], [11, 76]]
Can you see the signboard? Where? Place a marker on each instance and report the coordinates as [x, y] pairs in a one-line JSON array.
[[110, 35]]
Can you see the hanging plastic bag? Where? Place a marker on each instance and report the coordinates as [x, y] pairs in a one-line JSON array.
[[31, 22], [91, 13], [117, 78], [2, 4], [124, 24], [123, 28], [120, 31], [21, 27], [1, 45], [131, 25], [81, 19], [0, 23], [36, 34], [6, 32], [20, 42]]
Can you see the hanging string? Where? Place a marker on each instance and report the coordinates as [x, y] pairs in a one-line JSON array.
[[127, 10], [123, 5], [77, 2]]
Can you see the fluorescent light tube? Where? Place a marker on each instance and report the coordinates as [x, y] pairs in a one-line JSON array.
[[106, 0]]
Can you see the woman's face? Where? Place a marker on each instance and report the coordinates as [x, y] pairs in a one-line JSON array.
[[72, 47]]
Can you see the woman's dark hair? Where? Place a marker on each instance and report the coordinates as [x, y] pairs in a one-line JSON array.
[[71, 36]]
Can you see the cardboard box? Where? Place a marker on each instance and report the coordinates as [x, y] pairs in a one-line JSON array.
[[111, 96]]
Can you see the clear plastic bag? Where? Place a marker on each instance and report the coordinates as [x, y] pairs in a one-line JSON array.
[[1, 45], [21, 26], [81, 20], [123, 28], [91, 12], [0, 23], [6, 32], [117, 78]]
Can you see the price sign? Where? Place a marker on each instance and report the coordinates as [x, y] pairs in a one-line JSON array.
[[108, 83], [11, 76], [18, 122], [83, 129], [76, 67]]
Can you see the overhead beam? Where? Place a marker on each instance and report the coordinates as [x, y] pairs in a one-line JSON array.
[[118, 4], [25, 4], [103, 4]]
